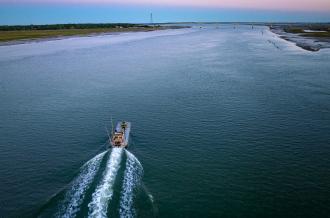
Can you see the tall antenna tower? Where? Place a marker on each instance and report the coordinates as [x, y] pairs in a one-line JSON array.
[[151, 19]]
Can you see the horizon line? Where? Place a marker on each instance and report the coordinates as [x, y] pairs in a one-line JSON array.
[[178, 22]]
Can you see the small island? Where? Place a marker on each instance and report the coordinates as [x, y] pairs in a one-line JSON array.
[[311, 37], [23, 33]]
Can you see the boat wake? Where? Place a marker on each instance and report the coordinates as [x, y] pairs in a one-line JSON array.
[[110, 184], [132, 179], [99, 205], [76, 194]]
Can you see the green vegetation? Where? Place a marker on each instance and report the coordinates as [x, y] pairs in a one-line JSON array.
[[293, 30], [317, 34], [309, 36], [11, 33], [71, 26], [321, 30]]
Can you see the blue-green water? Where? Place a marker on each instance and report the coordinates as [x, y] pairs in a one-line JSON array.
[[224, 124]]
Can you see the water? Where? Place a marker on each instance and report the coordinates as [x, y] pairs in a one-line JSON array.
[[98, 207], [132, 180], [225, 123], [77, 192]]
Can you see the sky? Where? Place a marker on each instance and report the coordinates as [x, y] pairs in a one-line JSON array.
[[138, 11]]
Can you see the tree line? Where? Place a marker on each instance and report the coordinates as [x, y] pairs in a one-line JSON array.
[[71, 26]]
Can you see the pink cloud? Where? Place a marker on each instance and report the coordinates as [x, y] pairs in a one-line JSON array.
[[305, 5]]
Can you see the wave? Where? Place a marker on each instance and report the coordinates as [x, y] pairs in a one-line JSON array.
[[132, 178], [75, 199], [80, 184], [104, 191]]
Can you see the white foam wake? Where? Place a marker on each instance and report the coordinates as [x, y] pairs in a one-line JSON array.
[[132, 178], [80, 184], [99, 205]]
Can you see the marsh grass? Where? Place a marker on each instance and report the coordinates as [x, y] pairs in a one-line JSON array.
[[13, 35]]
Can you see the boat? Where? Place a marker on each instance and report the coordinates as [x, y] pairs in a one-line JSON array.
[[120, 135]]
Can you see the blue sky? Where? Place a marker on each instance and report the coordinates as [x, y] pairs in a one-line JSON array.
[[37, 13]]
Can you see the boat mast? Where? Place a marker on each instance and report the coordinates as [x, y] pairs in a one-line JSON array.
[[151, 20], [108, 134], [111, 126]]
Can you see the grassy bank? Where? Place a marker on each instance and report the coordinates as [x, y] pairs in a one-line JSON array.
[[311, 37], [13, 33], [318, 30]]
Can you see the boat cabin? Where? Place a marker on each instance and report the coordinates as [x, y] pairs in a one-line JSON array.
[[118, 138]]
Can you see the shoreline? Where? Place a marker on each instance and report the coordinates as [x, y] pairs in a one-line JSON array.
[[29, 36], [306, 37]]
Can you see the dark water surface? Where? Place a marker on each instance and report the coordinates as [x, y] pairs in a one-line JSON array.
[[224, 123]]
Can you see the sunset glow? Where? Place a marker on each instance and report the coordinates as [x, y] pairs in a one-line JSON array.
[[138, 11], [300, 5]]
